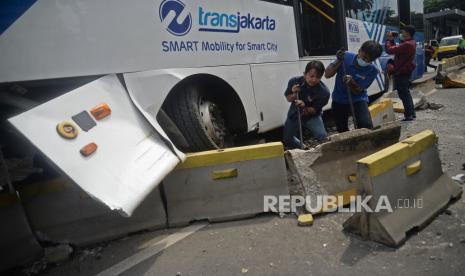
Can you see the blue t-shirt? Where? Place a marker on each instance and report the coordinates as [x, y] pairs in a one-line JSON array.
[[363, 76]]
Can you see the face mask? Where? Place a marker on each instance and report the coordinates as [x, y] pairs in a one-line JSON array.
[[362, 63], [401, 37]]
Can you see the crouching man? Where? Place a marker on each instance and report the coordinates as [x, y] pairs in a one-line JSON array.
[[307, 95]]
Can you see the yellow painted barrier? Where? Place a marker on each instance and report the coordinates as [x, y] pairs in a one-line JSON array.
[[225, 184], [406, 173], [382, 112]]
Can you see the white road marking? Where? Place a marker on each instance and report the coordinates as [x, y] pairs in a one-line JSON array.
[[156, 248]]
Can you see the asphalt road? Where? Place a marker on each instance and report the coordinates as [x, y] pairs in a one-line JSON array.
[[270, 245]]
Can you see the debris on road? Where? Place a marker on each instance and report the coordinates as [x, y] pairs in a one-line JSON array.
[[57, 254], [95, 252], [460, 178], [449, 74], [429, 105], [305, 220], [35, 268], [419, 99], [448, 212]]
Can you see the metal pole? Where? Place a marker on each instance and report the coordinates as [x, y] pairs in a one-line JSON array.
[[349, 95], [301, 138]]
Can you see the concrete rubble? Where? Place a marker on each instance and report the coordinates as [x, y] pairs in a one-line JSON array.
[[419, 100], [57, 254], [460, 178], [329, 168]]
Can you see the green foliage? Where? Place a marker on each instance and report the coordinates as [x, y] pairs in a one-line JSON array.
[[437, 5]]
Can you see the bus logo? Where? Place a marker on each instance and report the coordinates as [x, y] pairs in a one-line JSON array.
[[175, 17], [213, 21]]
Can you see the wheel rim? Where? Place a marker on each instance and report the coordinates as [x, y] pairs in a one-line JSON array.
[[213, 121]]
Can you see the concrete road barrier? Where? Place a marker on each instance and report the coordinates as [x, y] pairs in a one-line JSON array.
[[330, 168], [409, 175], [452, 64], [382, 112], [453, 80], [447, 72], [60, 211], [18, 245], [225, 184]]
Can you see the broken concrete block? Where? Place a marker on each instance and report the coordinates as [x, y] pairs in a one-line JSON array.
[[460, 178], [305, 220], [329, 168], [418, 97]]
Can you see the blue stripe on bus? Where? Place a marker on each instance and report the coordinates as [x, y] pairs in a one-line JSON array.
[[381, 34], [369, 32], [11, 10], [378, 82], [378, 13]]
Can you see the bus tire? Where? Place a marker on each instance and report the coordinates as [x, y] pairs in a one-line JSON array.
[[198, 118]]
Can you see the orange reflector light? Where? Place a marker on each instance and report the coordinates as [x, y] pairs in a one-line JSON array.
[[101, 111], [88, 149]]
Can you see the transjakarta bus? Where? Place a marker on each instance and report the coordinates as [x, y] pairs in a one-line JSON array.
[[195, 72]]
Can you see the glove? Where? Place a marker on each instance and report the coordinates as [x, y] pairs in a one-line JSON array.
[[347, 79], [340, 54], [307, 111]]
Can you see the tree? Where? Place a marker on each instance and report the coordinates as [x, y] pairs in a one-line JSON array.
[[437, 5], [356, 6]]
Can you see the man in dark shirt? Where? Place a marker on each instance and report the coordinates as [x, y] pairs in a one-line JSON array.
[[404, 55], [310, 95], [429, 51]]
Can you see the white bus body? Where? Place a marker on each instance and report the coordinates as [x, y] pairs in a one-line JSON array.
[[245, 49]]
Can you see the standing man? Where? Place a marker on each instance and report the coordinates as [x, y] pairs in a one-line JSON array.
[[404, 56], [356, 73], [429, 51], [310, 95], [461, 47]]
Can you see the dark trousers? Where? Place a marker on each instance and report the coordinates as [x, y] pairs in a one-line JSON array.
[[402, 85], [341, 113], [428, 64], [291, 130]]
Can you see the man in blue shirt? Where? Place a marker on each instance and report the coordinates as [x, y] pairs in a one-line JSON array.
[[310, 95], [356, 73]]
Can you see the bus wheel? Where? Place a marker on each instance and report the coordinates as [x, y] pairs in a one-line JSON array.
[[199, 119]]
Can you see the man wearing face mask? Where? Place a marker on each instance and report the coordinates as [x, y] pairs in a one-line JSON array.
[[356, 73], [404, 56]]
